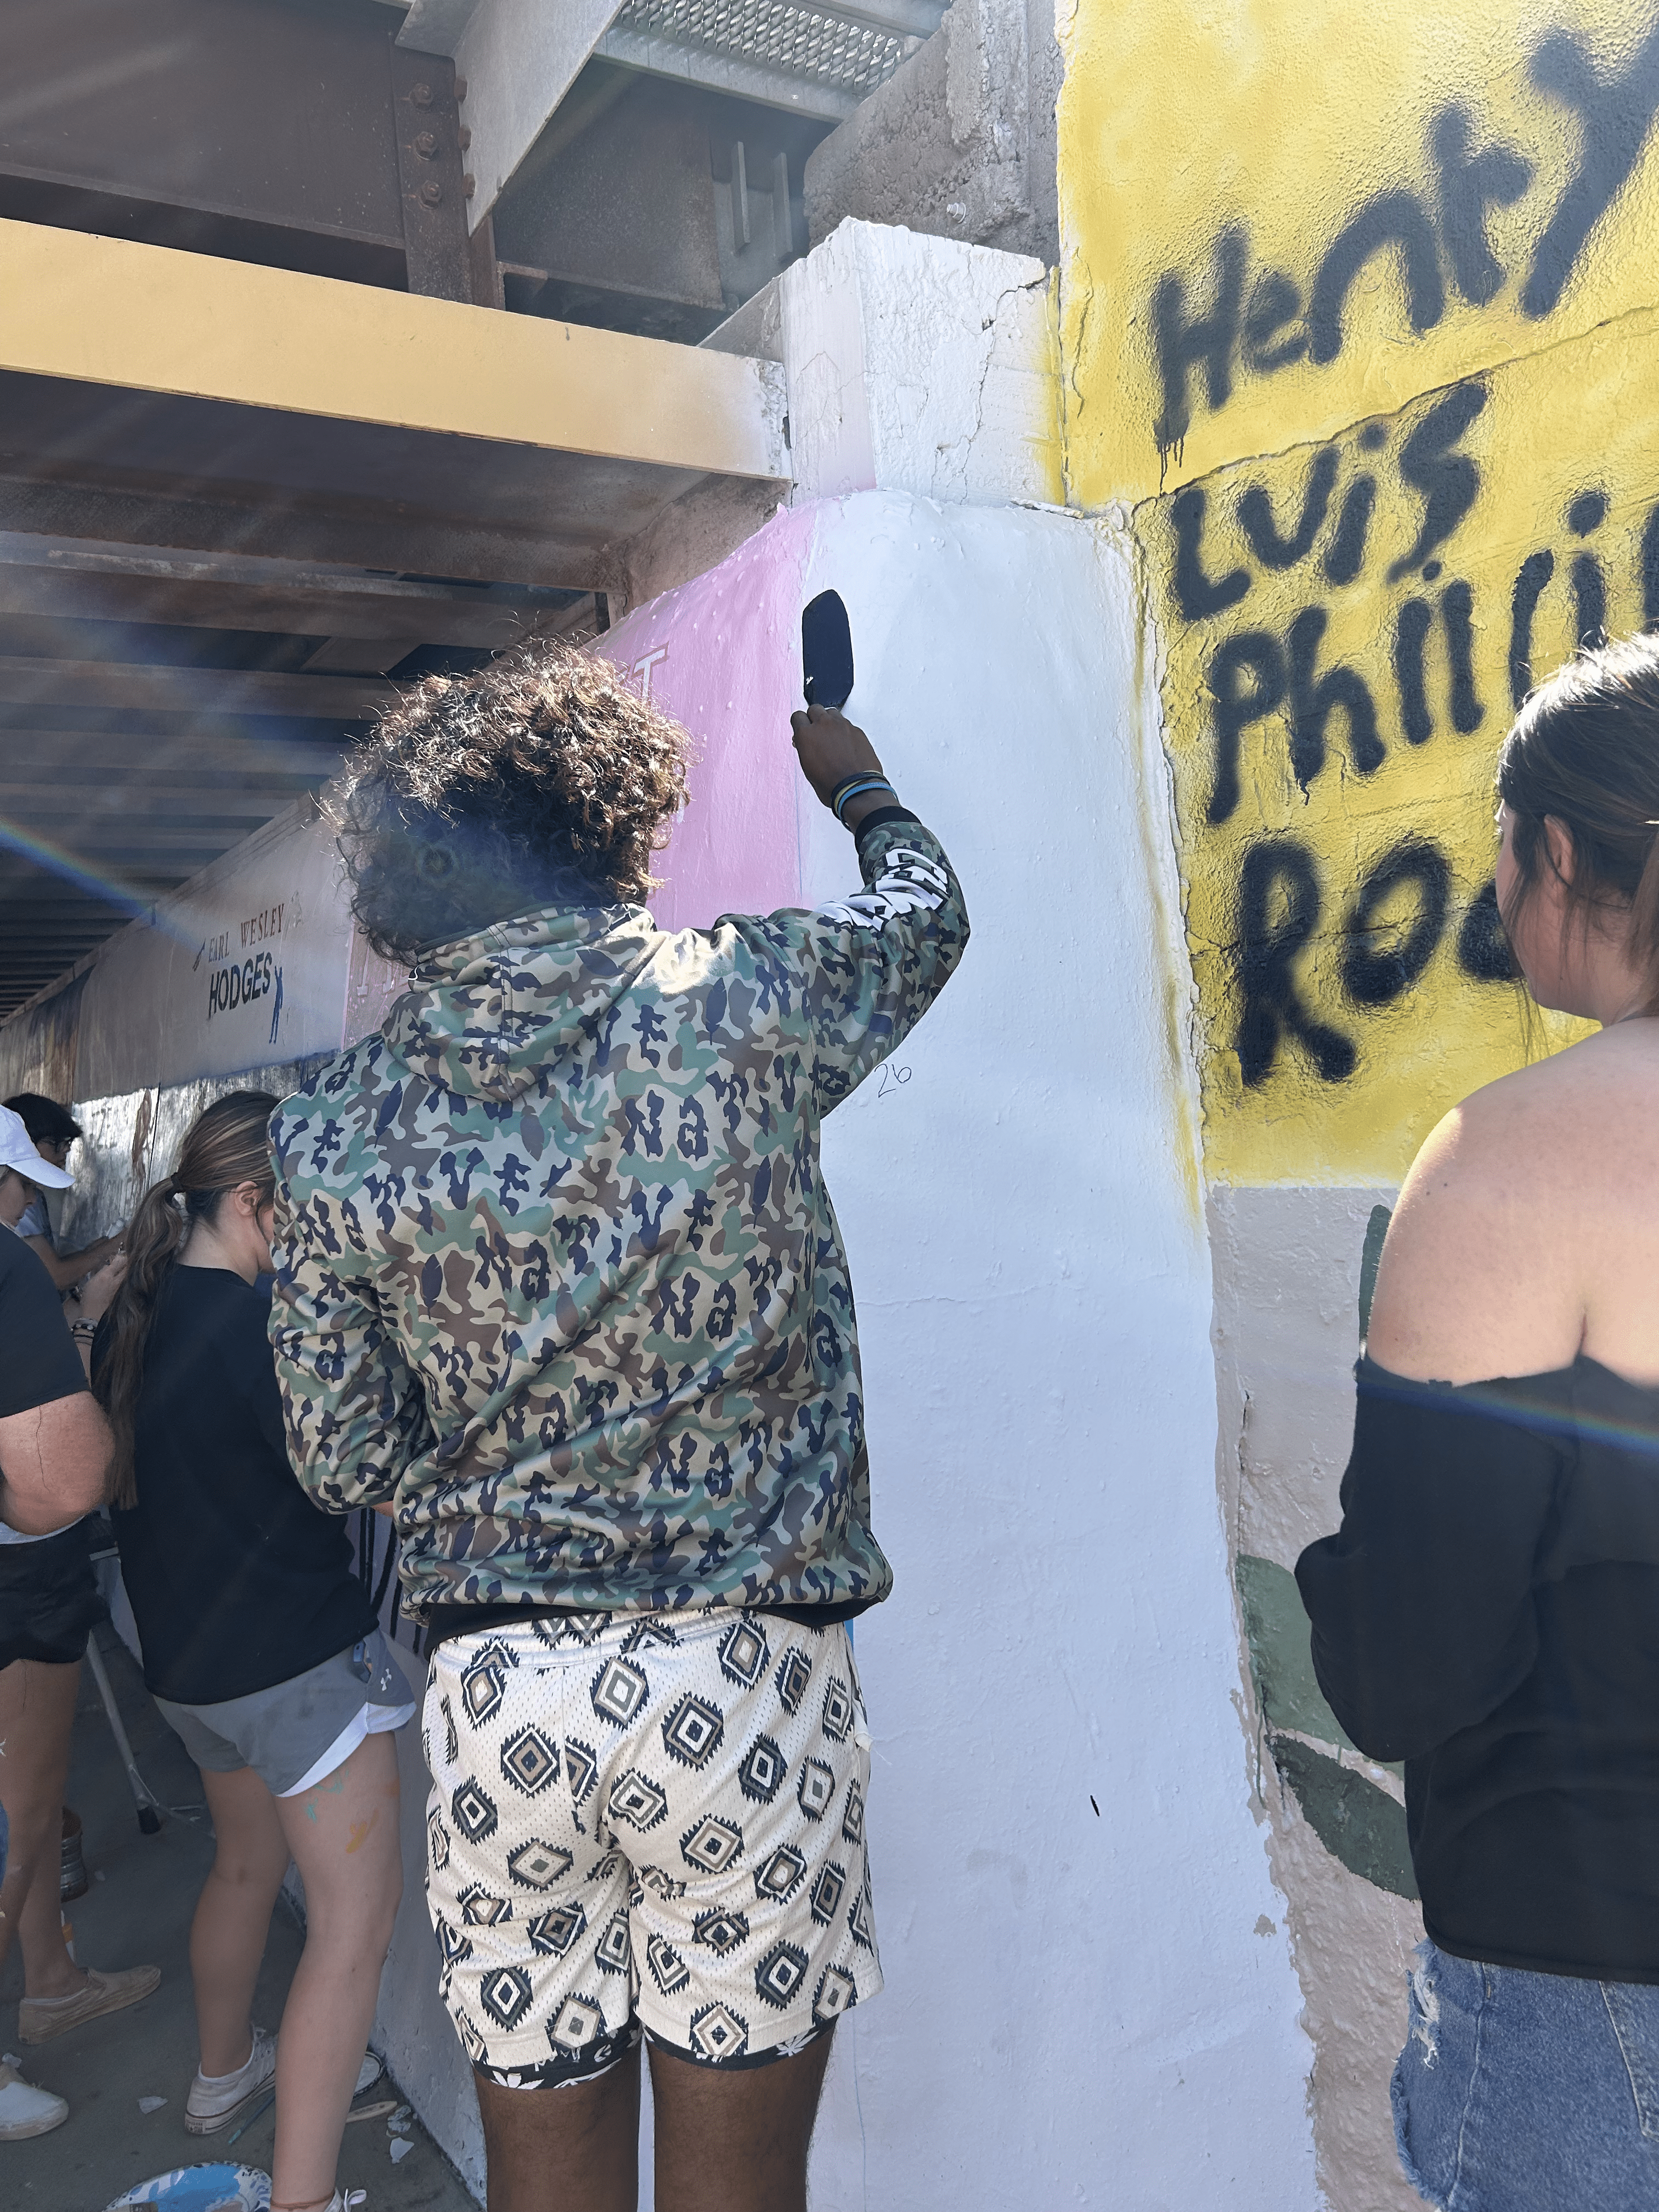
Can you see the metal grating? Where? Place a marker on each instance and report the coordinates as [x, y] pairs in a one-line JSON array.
[[812, 43]]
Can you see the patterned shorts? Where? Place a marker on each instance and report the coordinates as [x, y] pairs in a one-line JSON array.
[[647, 1821]]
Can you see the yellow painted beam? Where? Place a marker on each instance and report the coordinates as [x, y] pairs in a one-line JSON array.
[[146, 317]]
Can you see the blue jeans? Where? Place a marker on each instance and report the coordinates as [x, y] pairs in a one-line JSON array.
[[1527, 2092]]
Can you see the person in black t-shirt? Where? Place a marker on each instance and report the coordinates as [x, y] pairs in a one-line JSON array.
[[260, 1644], [54, 1456]]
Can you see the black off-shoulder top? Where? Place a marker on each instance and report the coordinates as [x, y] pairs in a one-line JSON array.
[[1489, 1613]]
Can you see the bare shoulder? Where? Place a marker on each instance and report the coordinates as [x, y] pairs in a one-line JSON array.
[[1519, 1213]]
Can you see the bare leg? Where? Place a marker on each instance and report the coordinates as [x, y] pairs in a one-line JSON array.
[[735, 2143], [343, 1837], [233, 1914], [37, 1713], [554, 2148]]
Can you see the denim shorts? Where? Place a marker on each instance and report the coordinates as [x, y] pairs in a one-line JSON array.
[[1527, 2092]]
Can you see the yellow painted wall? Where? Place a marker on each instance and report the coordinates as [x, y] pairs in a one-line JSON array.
[[1280, 124], [1320, 530]]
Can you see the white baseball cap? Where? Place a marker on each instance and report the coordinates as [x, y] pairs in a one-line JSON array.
[[17, 1151]]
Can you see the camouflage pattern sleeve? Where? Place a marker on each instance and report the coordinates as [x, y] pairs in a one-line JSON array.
[[873, 963], [355, 1412]]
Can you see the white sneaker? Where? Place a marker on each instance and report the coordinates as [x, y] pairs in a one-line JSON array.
[[212, 2106], [26, 2111]]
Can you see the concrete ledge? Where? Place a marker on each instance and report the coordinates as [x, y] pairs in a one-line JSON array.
[[190, 325]]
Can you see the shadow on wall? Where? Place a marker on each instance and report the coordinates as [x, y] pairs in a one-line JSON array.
[[1358, 1820]]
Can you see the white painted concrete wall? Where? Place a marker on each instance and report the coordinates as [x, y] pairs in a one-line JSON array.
[[923, 365], [1078, 2008]]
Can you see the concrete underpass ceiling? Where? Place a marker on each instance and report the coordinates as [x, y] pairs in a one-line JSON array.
[[203, 599]]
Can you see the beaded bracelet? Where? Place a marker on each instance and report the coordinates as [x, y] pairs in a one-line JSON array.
[[857, 791]]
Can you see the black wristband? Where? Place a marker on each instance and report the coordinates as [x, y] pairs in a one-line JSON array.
[[858, 775]]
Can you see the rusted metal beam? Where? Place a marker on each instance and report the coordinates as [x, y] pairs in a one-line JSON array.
[[220, 748], [433, 532], [431, 186], [29, 683], [212, 124], [86, 578]]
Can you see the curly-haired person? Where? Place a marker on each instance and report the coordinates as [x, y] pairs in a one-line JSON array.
[[560, 1288]]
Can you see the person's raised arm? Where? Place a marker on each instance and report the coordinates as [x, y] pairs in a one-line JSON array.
[[872, 964], [354, 1413], [67, 1268]]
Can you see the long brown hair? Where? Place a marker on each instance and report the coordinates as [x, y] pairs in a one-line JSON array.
[[225, 1146]]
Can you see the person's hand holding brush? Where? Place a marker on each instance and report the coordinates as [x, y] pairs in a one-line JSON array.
[[840, 762]]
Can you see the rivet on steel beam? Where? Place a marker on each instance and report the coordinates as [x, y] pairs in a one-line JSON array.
[[432, 191], [460, 87], [421, 94], [466, 137], [426, 145], [469, 185]]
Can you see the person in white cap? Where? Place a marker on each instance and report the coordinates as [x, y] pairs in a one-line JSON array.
[[55, 1448], [53, 1131]]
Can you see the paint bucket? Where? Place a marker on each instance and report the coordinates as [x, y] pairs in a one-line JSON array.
[[201, 2189], [72, 1880]]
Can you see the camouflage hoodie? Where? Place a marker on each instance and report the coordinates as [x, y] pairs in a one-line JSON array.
[[555, 1265]]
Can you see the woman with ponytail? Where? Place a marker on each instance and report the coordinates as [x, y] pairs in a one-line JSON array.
[[1489, 1610], [260, 1648]]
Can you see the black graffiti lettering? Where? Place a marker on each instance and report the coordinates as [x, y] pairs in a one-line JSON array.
[[1197, 594], [1458, 607], [1274, 306], [1183, 346], [1468, 185], [1650, 570], [1279, 871], [1255, 653], [1483, 950], [1255, 515], [1345, 556], [1587, 512], [1535, 572], [1447, 479], [1616, 115], [1589, 599], [1393, 221], [1314, 699], [1410, 634], [1380, 960]]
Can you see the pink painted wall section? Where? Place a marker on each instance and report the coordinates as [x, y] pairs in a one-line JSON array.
[[722, 654]]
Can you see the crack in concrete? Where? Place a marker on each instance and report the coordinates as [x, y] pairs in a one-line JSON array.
[[1648, 311]]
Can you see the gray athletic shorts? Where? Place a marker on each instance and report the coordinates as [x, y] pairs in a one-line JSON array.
[[296, 1732]]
